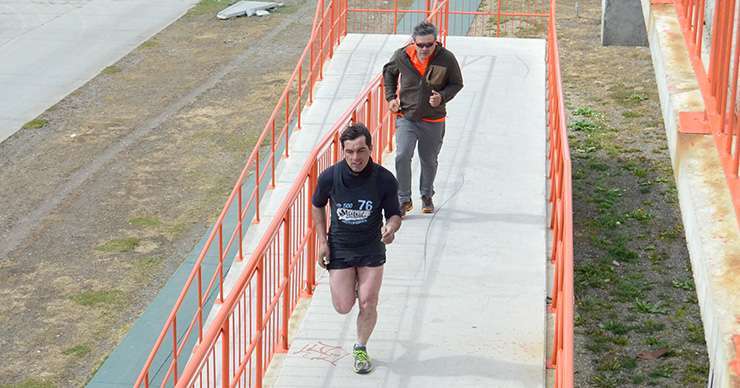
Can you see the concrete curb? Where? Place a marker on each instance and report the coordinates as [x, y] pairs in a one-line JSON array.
[[707, 211]]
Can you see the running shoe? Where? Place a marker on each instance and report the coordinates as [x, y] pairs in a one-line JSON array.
[[362, 364]]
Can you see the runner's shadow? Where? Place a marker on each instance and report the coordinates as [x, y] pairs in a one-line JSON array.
[[523, 374]]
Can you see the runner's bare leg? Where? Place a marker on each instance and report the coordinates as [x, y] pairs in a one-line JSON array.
[[342, 283], [370, 279]]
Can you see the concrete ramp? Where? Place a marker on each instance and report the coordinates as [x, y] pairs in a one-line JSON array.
[[463, 298]]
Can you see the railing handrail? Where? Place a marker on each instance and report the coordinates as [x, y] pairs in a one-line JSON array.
[[563, 298], [251, 162], [718, 87]]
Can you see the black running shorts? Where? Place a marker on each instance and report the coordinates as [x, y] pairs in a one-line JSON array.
[[360, 261]]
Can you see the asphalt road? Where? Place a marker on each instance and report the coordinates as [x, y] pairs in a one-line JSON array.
[[49, 48]]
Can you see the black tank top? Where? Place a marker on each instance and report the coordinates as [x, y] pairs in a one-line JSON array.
[[356, 217]]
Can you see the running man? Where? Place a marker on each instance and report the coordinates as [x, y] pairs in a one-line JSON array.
[[429, 78], [354, 252]]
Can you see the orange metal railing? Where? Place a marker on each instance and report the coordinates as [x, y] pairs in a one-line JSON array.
[[718, 82], [561, 213], [499, 17], [251, 324], [184, 326]]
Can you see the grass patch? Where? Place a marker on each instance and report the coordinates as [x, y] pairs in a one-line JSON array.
[[662, 371], [696, 334], [603, 380], [77, 351], [598, 342], [208, 6], [119, 245], [99, 298], [640, 215], [685, 284], [36, 124], [151, 43], [695, 374], [145, 222], [594, 275], [646, 307], [585, 112], [631, 114], [616, 327], [146, 267], [30, 383], [619, 251], [650, 326], [112, 69], [583, 125], [627, 290]]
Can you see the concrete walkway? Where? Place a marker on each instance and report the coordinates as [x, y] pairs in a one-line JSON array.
[[463, 300], [50, 48]]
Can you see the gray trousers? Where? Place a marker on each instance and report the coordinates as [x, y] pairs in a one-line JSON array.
[[429, 136]]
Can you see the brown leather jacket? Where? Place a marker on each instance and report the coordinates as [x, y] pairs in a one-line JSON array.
[[442, 74]]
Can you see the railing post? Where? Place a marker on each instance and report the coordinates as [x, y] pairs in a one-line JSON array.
[[446, 20], [311, 256], [300, 94], [498, 17], [311, 66], [395, 16], [221, 262], [259, 325], [332, 27], [257, 184], [200, 304], [225, 373], [287, 253], [175, 356], [321, 39], [272, 156], [240, 217], [287, 126], [335, 157]]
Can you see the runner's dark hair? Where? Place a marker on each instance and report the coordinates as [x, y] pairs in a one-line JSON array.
[[354, 131]]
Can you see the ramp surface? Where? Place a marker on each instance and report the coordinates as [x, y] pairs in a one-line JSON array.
[[463, 298]]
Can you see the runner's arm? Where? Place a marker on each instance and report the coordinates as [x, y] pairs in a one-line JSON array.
[[319, 200], [454, 81], [391, 206], [390, 228], [390, 78]]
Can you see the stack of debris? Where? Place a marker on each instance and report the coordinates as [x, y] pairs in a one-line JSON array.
[[248, 8]]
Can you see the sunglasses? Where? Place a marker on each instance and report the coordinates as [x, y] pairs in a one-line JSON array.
[[424, 45]]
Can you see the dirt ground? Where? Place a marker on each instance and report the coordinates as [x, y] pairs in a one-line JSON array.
[[101, 204], [637, 319]]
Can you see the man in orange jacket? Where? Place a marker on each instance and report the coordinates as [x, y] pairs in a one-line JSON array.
[[429, 77]]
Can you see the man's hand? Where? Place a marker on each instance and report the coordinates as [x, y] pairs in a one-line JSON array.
[[388, 234], [394, 105], [435, 99], [323, 254]]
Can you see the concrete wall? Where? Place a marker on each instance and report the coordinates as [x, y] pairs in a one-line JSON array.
[[622, 23], [707, 211]]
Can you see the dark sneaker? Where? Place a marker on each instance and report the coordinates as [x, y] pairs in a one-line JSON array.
[[406, 206], [362, 364], [427, 206]]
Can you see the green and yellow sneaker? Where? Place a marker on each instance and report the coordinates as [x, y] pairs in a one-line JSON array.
[[362, 364]]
